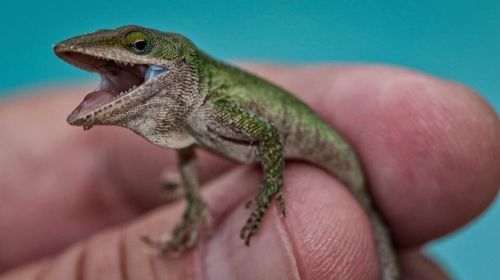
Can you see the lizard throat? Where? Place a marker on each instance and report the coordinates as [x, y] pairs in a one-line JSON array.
[[118, 79]]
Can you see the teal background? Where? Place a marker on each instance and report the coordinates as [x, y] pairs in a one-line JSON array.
[[457, 40]]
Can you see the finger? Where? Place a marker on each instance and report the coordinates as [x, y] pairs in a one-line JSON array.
[[325, 233], [325, 236], [430, 148], [282, 74]]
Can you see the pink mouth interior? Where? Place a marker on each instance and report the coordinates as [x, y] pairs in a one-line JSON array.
[[116, 80]]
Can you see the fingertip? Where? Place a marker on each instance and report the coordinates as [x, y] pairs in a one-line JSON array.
[[329, 230], [432, 156], [430, 148], [325, 234], [225, 254]]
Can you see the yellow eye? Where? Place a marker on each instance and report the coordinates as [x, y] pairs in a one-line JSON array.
[[137, 42]]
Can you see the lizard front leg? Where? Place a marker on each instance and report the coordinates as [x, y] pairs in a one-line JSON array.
[[196, 214], [270, 150]]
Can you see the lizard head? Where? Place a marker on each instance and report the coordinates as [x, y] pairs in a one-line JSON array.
[[148, 83]]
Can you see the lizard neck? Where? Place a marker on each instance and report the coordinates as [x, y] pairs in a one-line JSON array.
[[207, 69], [216, 76]]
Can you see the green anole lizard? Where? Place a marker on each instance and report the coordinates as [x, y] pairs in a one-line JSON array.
[[162, 87]]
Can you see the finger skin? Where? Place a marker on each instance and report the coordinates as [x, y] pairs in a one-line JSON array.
[[419, 163], [288, 248], [325, 236]]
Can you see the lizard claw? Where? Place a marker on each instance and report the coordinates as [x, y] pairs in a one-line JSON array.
[[185, 237], [163, 248], [253, 222], [281, 201], [249, 204]]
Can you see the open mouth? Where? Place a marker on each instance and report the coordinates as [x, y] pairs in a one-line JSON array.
[[118, 78]]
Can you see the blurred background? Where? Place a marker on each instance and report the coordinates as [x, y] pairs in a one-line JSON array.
[[457, 40]]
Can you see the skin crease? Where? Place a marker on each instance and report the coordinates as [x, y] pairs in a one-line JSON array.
[[430, 149]]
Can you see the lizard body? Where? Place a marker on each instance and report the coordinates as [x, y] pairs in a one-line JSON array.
[[165, 89]]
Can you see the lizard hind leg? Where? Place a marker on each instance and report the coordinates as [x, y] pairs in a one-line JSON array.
[[270, 150], [263, 199]]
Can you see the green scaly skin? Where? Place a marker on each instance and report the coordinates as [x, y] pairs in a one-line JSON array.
[[193, 101]]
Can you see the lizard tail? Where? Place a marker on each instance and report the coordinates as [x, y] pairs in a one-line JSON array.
[[388, 264]]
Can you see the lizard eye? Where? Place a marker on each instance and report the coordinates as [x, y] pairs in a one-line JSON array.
[[137, 42], [139, 45]]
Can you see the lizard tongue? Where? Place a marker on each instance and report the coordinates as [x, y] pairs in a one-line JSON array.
[[90, 102]]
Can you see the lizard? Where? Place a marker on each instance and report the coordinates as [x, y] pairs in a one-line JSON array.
[[167, 90]]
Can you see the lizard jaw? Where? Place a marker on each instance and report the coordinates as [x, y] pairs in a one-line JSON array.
[[119, 79]]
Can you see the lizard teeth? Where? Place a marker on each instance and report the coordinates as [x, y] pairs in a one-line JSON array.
[[124, 63], [122, 93]]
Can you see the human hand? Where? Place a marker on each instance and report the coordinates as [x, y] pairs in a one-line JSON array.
[[430, 148]]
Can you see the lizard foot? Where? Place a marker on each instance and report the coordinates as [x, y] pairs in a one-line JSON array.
[[186, 233], [261, 201], [253, 222]]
